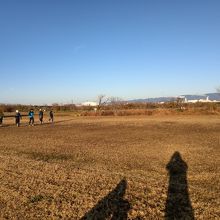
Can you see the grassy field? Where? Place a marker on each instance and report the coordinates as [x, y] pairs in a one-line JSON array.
[[151, 167]]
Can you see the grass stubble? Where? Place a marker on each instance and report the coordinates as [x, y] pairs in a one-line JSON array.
[[111, 168]]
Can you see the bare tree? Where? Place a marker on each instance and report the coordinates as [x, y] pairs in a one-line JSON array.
[[180, 101], [101, 100], [218, 90], [115, 100]]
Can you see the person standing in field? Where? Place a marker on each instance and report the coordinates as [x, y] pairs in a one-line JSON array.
[[31, 117], [17, 118], [51, 116], [41, 116], [1, 117]]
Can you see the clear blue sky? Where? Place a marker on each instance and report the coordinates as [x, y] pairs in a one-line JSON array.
[[58, 51]]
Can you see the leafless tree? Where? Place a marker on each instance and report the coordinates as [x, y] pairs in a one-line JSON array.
[[180, 101], [115, 100], [218, 89], [101, 99]]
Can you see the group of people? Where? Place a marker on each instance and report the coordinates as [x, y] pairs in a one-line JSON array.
[[18, 117]]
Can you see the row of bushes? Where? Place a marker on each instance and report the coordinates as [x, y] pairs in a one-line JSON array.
[[161, 111]]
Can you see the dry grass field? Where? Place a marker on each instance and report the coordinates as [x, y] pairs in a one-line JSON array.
[[146, 167]]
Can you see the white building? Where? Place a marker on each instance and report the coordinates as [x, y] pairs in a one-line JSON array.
[[89, 104], [199, 100]]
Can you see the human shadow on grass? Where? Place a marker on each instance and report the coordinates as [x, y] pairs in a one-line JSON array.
[[61, 121], [178, 205], [25, 124], [113, 206], [54, 122]]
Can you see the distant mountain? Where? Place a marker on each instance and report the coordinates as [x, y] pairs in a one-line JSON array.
[[212, 96], [159, 99]]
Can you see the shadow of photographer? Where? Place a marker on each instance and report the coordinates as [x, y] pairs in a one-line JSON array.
[[178, 205], [112, 206]]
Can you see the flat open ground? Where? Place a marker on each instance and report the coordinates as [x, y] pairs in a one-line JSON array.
[[111, 167]]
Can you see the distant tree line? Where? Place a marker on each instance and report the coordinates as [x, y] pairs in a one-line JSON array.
[[112, 105]]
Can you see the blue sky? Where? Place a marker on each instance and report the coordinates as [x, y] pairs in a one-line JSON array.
[[59, 51]]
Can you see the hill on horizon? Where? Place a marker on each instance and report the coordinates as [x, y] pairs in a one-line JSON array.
[[212, 96]]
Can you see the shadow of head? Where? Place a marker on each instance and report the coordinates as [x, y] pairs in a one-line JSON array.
[[112, 206], [177, 165]]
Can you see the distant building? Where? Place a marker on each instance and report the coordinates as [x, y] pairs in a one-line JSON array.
[[192, 101], [199, 100], [205, 100], [89, 104]]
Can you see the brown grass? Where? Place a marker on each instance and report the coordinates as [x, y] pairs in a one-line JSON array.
[[149, 112], [111, 166]]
